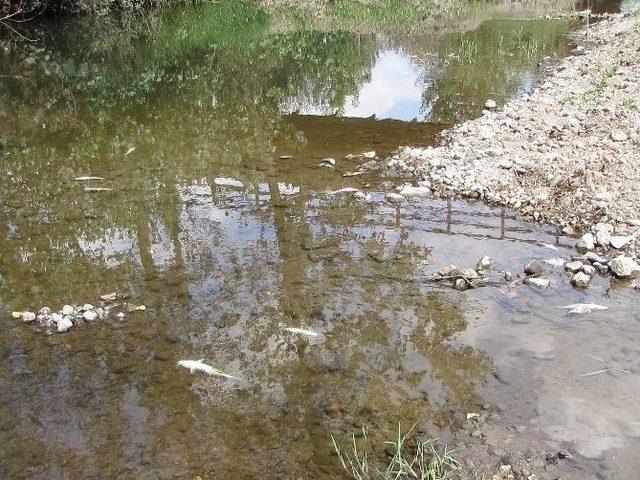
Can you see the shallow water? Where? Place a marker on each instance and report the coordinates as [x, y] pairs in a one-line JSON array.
[[226, 244]]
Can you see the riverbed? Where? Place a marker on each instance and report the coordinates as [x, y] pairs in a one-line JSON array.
[[218, 209]]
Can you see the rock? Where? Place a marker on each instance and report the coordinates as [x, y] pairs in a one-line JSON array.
[[618, 135], [120, 316], [44, 311], [601, 268], [594, 257], [490, 104], [328, 161], [68, 310], [589, 270], [508, 276], [394, 197], [449, 271], [469, 273], [89, 315], [603, 234], [64, 324], [87, 306], [537, 282], [581, 280], [624, 267], [619, 241], [56, 317], [485, 263], [461, 284], [533, 268], [568, 230], [28, 317], [574, 267], [586, 243], [555, 261], [411, 191]]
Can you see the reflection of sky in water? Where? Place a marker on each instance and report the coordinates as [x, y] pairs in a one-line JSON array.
[[630, 6], [394, 91]]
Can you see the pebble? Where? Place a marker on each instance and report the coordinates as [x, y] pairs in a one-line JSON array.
[[533, 268], [490, 104], [581, 280], [619, 241], [28, 317], [394, 197], [89, 315], [586, 243], [68, 310], [485, 263], [537, 282], [624, 267], [574, 267], [64, 324], [618, 135]]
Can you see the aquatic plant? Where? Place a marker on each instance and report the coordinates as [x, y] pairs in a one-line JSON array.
[[408, 458]]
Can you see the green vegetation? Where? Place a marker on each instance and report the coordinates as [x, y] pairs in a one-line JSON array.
[[407, 458]]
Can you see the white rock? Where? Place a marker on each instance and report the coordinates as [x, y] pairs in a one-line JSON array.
[[618, 135], [574, 267], [555, 261], [394, 197], [64, 324], [537, 282], [581, 279], [589, 270], [68, 310], [624, 267], [619, 241], [587, 242], [603, 234], [87, 306], [485, 262], [490, 104], [411, 191], [469, 273], [28, 317], [56, 317], [89, 315]]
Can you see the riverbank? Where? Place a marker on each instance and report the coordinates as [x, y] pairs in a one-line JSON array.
[[565, 154]]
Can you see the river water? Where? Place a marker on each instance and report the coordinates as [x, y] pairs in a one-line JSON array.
[[208, 124]]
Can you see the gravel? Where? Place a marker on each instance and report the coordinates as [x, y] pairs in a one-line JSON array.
[[567, 153]]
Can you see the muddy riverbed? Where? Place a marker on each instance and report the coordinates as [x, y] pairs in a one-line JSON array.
[[223, 220]]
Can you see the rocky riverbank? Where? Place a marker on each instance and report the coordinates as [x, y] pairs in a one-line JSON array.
[[567, 153]]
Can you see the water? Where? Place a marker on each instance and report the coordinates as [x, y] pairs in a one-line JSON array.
[[226, 244]]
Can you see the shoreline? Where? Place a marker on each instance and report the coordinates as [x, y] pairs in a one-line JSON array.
[[564, 154]]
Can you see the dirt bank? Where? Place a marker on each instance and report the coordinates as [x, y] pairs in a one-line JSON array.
[[567, 153]]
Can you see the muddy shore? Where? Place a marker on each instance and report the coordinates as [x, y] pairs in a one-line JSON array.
[[566, 153]]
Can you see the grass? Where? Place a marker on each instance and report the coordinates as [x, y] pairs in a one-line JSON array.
[[408, 458]]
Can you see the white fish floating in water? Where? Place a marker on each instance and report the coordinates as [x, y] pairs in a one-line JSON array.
[[97, 189], [555, 261], [300, 331], [353, 174], [228, 182], [343, 190], [195, 365], [584, 307], [85, 179], [549, 246], [129, 151]]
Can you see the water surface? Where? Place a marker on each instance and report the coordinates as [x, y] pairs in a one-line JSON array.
[[227, 243]]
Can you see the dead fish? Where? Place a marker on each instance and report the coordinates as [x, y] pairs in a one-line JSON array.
[[555, 261], [584, 307], [97, 189], [549, 246], [343, 190], [286, 157], [300, 331], [195, 365], [129, 151], [371, 154], [84, 179], [352, 174]]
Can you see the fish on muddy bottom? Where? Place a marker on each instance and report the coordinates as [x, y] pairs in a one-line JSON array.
[[300, 331], [584, 307], [199, 365]]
